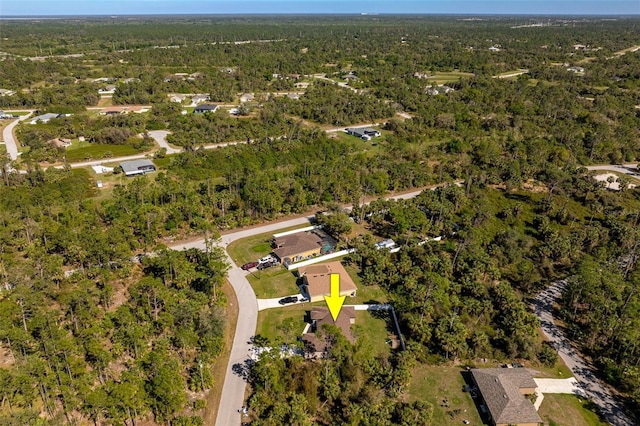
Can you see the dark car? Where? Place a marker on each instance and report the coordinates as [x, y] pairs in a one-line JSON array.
[[265, 265], [288, 299], [249, 265]]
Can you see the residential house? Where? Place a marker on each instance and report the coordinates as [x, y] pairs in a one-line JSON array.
[[109, 89], [247, 97], [44, 118], [316, 345], [316, 281], [503, 391], [301, 85], [421, 75], [6, 92], [177, 97], [205, 108], [301, 245], [137, 167], [385, 244], [494, 49], [60, 142], [365, 133], [198, 98], [575, 69], [437, 90]]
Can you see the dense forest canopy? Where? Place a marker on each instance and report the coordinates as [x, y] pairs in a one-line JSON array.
[[90, 332]]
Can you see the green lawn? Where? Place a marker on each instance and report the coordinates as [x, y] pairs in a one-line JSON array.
[[449, 77], [373, 327], [273, 282], [365, 294], [96, 152], [283, 325], [436, 383], [568, 410]]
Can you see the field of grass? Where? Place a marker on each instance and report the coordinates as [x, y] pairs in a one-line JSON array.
[[435, 384], [96, 152], [273, 282], [448, 77], [568, 410], [283, 324], [374, 328]]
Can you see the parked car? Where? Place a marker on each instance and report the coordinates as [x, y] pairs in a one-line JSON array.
[[265, 265], [267, 259], [249, 265], [288, 299]]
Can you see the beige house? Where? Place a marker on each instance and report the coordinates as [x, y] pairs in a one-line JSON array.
[[503, 391], [301, 245], [316, 281]]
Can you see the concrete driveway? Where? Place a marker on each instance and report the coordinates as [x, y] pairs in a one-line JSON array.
[[275, 302], [569, 385]]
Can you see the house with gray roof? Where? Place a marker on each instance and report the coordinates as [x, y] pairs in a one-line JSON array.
[[137, 167], [44, 118], [504, 391]]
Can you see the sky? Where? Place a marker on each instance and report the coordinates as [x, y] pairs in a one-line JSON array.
[[155, 7]]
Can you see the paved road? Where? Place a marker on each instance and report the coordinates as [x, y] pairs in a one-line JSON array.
[[234, 384], [160, 136], [609, 406], [9, 139], [629, 168]]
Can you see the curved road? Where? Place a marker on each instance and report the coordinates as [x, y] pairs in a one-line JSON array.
[[610, 408], [9, 139], [234, 384]]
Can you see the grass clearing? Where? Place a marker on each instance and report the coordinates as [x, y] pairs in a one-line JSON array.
[[97, 152], [374, 327], [435, 384], [283, 325], [273, 282], [448, 77], [568, 410]]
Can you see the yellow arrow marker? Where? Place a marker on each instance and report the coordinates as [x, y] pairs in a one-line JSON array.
[[335, 301]]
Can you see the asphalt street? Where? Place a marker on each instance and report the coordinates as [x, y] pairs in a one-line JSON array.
[[609, 406]]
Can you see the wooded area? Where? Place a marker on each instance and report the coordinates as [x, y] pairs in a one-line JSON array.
[[91, 333]]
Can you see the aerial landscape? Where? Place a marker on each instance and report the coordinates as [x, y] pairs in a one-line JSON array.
[[319, 213]]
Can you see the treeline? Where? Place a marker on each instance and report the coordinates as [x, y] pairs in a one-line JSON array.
[[352, 385], [86, 332]]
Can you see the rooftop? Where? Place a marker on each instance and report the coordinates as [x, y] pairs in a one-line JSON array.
[[300, 242], [318, 278], [502, 391]]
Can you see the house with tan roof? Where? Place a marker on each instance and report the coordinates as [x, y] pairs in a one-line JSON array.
[[316, 344], [301, 245], [503, 391], [316, 281]]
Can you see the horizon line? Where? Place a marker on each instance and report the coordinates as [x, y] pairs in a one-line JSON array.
[[363, 14]]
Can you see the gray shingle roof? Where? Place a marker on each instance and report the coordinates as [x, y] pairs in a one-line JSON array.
[[500, 389]]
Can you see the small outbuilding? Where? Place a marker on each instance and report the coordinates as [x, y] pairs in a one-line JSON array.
[[137, 167]]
